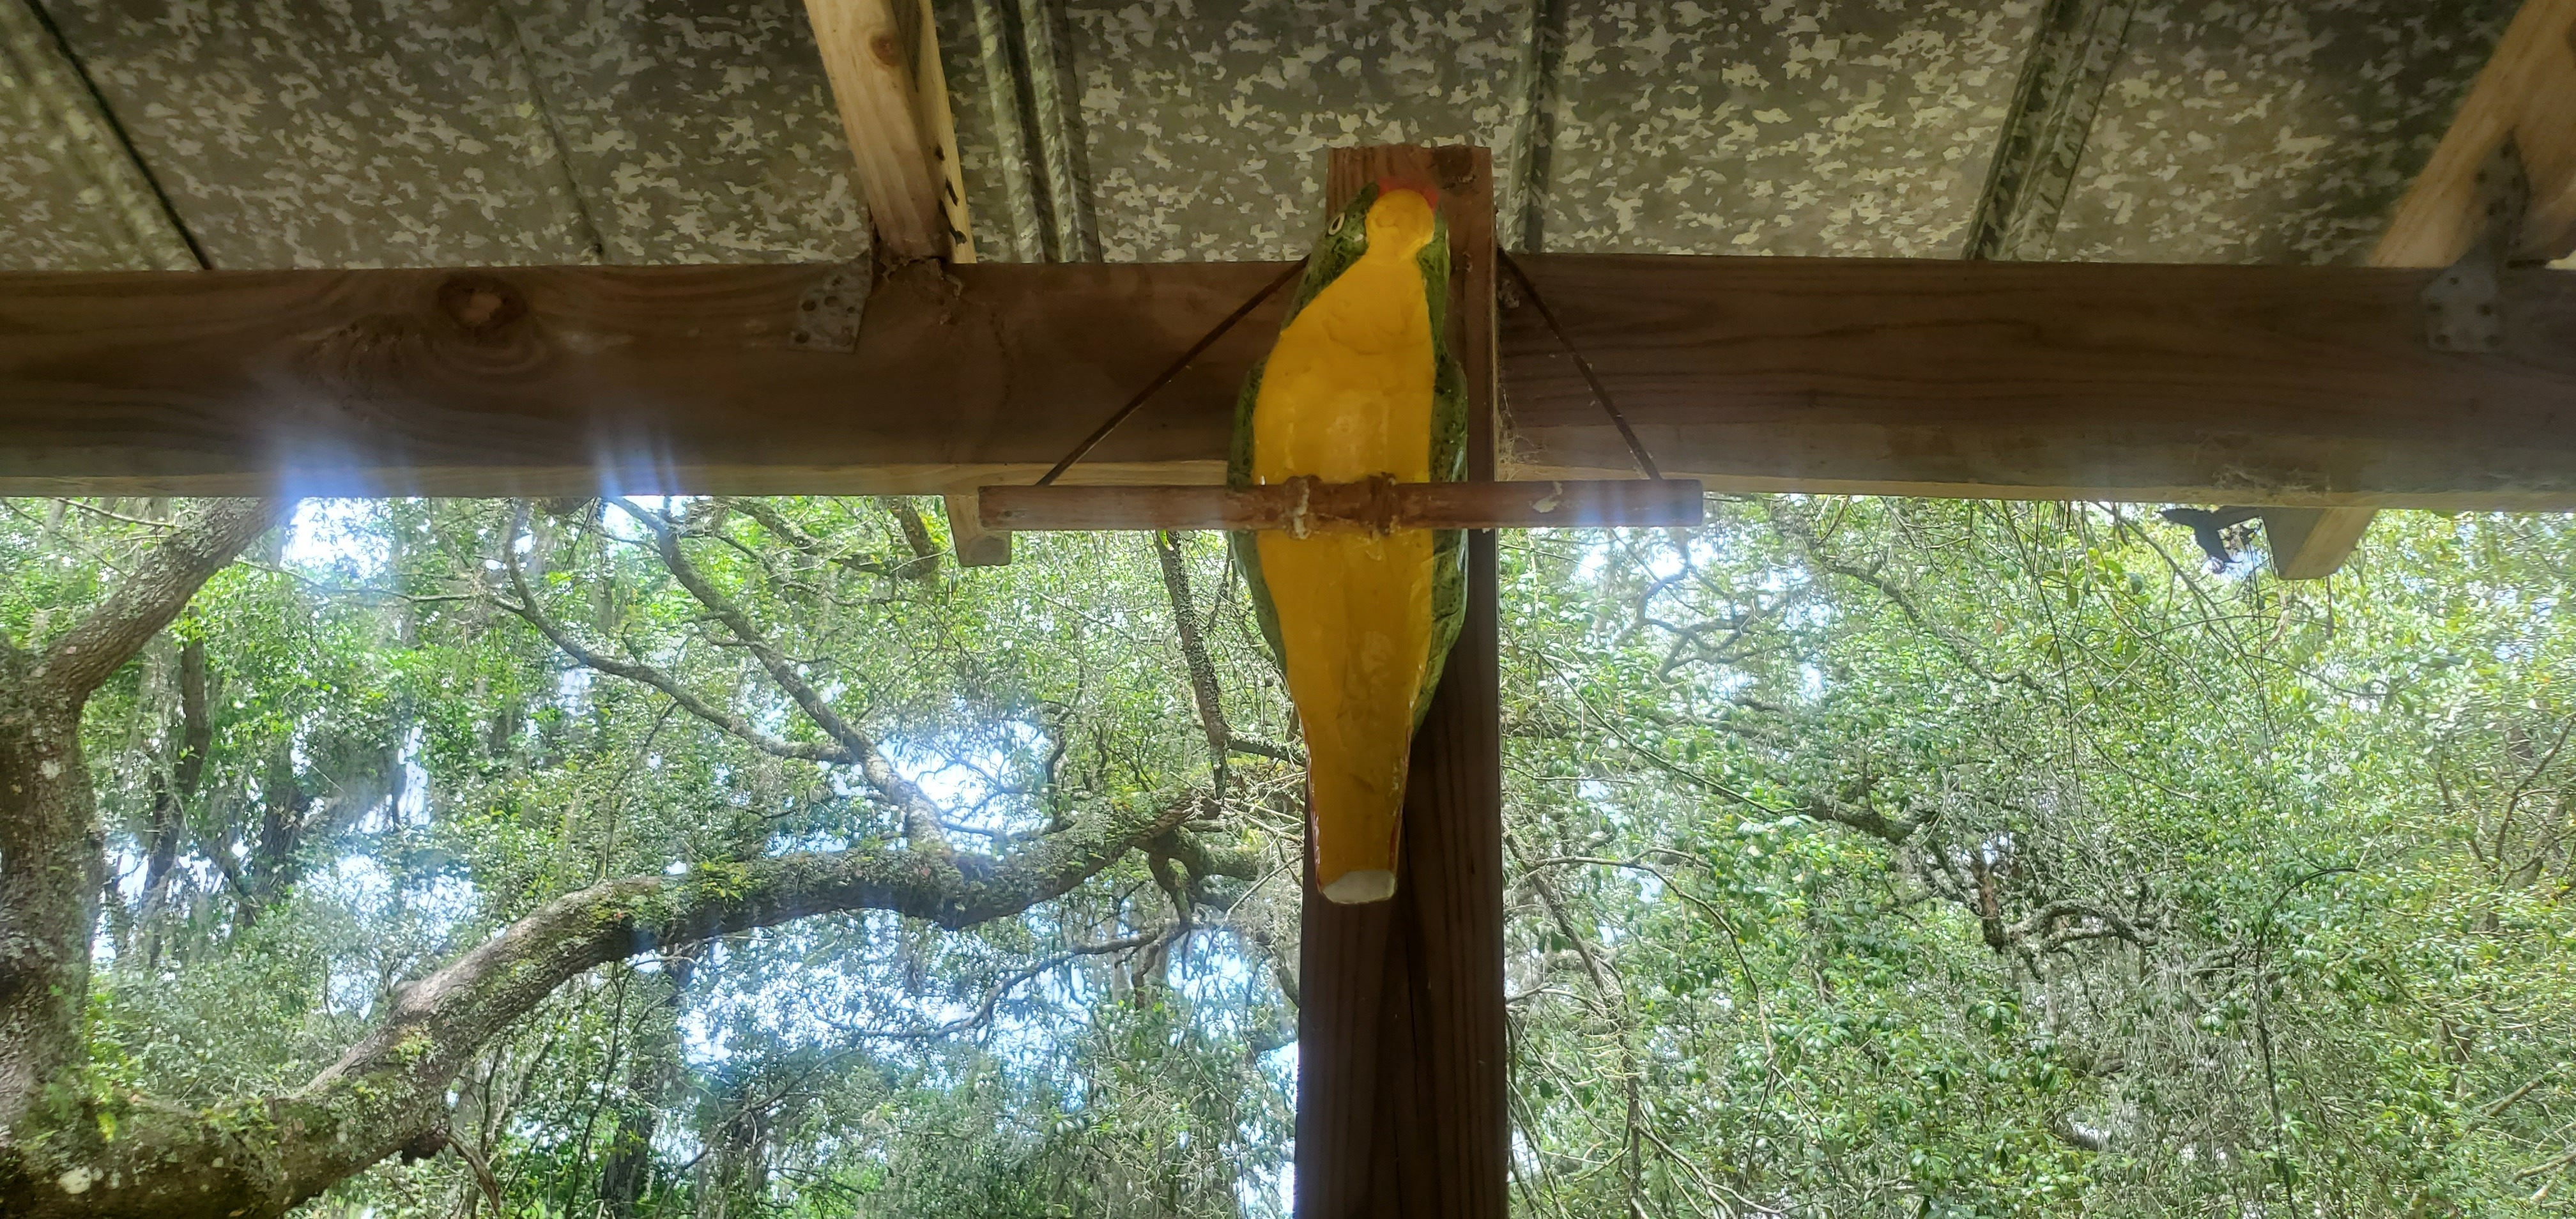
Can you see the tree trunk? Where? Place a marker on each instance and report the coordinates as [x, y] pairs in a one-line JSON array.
[[170, 798], [52, 863], [70, 1152]]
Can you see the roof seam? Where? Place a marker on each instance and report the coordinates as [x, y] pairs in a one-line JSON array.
[[115, 128], [2072, 56], [1535, 133], [506, 26]]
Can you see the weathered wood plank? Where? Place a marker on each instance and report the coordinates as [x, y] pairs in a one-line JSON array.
[[866, 56], [1401, 1055], [2310, 543], [2306, 386], [939, 134], [2527, 90], [1350, 507], [975, 543], [563, 380], [2200, 384]]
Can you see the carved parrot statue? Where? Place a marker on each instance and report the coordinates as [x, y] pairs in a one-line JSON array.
[[1359, 384]]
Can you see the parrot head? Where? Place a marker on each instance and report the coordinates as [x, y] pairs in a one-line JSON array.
[[1403, 211], [1391, 210]]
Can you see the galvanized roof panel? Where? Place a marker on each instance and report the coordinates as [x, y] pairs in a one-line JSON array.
[[1752, 127], [71, 199], [2239, 131], [370, 132]]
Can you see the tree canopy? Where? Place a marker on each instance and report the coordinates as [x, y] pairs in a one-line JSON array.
[[736, 857]]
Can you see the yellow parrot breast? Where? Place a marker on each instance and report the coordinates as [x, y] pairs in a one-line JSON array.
[[1347, 394]]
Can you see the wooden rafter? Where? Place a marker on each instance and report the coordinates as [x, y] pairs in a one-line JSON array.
[[892, 95], [2211, 384], [2526, 91]]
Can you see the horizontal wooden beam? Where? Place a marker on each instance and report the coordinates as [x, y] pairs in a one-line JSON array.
[[2307, 386], [557, 380], [2303, 386], [1303, 505]]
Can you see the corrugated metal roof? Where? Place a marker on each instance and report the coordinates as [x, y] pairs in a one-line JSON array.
[[2243, 131], [442, 132]]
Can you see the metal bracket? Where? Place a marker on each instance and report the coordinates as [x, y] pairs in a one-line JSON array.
[[2464, 305], [827, 317]]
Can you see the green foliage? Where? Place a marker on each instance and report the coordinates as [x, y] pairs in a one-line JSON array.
[[1775, 768], [1866, 857]]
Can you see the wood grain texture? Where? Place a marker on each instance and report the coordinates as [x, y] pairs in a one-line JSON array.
[[545, 381], [2310, 543], [939, 134], [870, 64], [1371, 507], [2305, 386], [1400, 1107]]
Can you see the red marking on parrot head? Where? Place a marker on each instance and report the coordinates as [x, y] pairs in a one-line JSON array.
[[1389, 184]]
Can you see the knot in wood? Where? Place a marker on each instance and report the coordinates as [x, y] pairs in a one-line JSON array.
[[480, 305], [1456, 166]]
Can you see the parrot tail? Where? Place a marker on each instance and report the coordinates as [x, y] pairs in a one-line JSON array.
[[1361, 888]]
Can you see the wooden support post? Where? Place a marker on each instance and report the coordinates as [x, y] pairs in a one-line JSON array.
[[2527, 91], [1400, 1106], [976, 544]]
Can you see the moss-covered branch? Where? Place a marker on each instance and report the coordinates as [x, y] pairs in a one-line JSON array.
[[107, 1158]]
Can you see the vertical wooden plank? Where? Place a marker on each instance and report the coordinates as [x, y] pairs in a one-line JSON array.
[[939, 134], [1400, 1107], [975, 545], [865, 57]]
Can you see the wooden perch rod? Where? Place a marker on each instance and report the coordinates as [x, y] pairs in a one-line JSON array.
[[1377, 505]]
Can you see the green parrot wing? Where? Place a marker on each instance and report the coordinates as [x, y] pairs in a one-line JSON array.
[[1448, 464], [1238, 475]]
